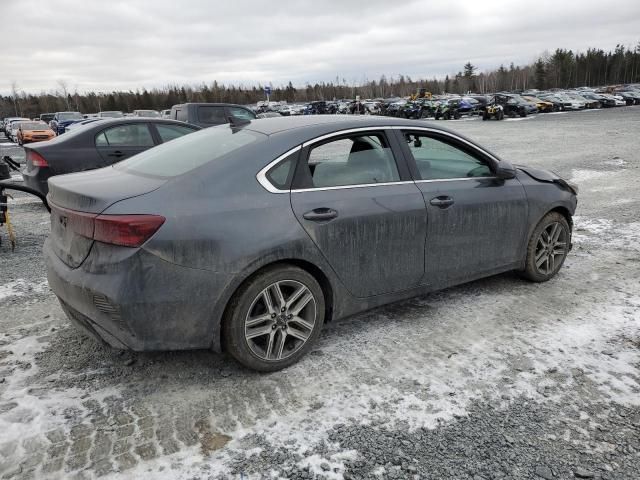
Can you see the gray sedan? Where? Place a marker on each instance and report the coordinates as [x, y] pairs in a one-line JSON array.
[[249, 238], [97, 143]]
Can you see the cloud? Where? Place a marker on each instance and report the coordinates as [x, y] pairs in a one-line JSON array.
[[145, 43]]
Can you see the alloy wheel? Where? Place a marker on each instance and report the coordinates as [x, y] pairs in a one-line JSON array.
[[551, 248], [280, 320]]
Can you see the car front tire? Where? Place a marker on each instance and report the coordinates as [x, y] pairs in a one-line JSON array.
[[547, 248], [274, 319]]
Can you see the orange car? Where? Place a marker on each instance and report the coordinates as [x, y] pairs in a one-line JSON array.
[[29, 132]]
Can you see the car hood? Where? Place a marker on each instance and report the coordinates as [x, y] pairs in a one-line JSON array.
[[547, 176]]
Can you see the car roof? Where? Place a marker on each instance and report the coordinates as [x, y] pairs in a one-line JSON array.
[[109, 121], [329, 123], [304, 127], [209, 104]]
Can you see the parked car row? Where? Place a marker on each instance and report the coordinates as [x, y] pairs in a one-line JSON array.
[[448, 106]]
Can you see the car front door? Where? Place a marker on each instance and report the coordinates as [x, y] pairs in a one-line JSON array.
[[363, 212], [477, 223], [118, 142]]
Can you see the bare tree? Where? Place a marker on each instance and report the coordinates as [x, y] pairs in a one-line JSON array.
[[14, 96], [64, 87]]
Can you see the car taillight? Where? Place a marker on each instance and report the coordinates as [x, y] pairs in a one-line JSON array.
[[36, 159], [126, 230], [123, 230]]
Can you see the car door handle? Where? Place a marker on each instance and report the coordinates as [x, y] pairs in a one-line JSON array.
[[442, 201], [117, 153], [320, 214]]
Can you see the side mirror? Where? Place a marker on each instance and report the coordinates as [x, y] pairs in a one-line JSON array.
[[505, 171]]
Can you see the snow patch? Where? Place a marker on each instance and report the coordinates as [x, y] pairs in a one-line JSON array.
[[583, 175], [20, 288]]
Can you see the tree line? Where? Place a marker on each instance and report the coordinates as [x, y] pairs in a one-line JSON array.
[[560, 69]]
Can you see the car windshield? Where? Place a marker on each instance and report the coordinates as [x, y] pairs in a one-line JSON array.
[[189, 152], [70, 116], [111, 114], [34, 126]]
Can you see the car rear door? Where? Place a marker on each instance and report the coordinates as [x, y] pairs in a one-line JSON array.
[[356, 201], [117, 142], [477, 223]]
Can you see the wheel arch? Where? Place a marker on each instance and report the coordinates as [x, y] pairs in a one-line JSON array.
[[316, 272], [564, 211]]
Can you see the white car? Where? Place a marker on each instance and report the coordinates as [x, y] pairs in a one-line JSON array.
[[13, 127], [618, 99], [165, 113], [111, 114], [571, 103], [146, 113], [7, 121]]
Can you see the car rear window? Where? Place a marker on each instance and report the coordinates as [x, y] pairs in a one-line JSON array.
[[189, 152]]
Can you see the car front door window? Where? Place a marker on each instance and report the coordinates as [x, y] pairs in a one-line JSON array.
[[437, 160]]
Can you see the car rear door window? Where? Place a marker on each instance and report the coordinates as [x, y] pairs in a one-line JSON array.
[[132, 135], [354, 160], [170, 132], [211, 115], [438, 160]]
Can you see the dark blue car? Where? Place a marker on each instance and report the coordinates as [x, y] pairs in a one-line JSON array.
[[61, 120]]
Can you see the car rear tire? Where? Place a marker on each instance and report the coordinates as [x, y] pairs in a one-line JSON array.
[[274, 319], [547, 248]]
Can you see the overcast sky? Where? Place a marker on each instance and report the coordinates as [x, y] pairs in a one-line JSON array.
[[110, 44]]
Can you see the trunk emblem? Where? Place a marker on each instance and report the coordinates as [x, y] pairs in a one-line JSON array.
[[63, 221]]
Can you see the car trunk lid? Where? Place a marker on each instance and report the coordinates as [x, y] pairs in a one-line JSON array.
[[76, 202]]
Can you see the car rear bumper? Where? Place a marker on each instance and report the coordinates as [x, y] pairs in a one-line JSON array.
[[132, 299]]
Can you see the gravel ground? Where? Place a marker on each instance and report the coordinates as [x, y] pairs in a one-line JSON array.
[[498, 378]]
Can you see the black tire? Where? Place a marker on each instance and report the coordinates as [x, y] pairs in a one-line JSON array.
[[523, 113], [500, 115], [534, 248], [233, 329]]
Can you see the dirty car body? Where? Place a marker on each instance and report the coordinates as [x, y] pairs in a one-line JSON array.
[[374, 209]]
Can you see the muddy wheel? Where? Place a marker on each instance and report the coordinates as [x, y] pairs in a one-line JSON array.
[[547, 248], [274, 319]]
